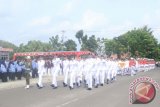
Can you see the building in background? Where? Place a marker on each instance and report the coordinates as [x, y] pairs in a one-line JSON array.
[[4, 52]]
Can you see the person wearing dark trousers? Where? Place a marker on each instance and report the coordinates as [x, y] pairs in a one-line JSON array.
[[23, 68], [12, 71], [34, 68], [3, 71], [19, 70], [27, 71]]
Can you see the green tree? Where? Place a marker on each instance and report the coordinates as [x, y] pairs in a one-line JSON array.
[[87, 43], [35, 46], [140, 41], [92, 44], [70, 45], [101, 46], [79, 36], [21, 48], [111, 46], [56, 43], [6, 44]]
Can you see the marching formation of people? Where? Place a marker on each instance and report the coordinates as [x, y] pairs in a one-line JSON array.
[[132, 66], [90, 72]]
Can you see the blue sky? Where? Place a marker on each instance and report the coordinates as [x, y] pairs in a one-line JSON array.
[[24, 20]]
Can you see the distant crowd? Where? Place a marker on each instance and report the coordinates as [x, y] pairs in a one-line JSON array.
[[91, 69]]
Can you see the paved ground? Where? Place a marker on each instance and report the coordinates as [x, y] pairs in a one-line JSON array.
[[112, 95]]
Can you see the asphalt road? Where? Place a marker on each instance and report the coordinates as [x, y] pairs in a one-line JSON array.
[[111, 95]]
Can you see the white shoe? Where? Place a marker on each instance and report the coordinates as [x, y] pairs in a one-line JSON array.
[[27, 87]]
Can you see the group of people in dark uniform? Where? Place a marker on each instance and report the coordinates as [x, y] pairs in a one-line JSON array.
[[11, 70]]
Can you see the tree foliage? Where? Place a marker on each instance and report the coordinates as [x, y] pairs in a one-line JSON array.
[[56, 43], [35, 46], [87, 43], [139, 42], [79, 36], [70, 45], [6, 44]]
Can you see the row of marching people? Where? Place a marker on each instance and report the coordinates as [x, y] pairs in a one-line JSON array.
[[93, 72], [132, 66]]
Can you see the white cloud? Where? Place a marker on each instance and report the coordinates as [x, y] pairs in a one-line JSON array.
[[147, 19], [40, 21], [91, 20], [64, 25], [69, 7], [157, 12]]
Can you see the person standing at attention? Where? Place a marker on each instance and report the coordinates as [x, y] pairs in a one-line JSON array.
[[27, 71]]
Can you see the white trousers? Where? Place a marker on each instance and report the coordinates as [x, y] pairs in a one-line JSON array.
[[102, 76], [96, 77], [54, 77], [108, 74], [72, 78], [66, 73], [40, 75], [89, 79]]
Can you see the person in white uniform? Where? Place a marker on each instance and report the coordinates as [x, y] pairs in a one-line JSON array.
[[102, 71], [89, 70], [55, 71], [79, 72], [73, 68], [66, 69], [95, 70], [41, 71], [108, 73]]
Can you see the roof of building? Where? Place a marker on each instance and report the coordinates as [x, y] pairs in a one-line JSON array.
[[6, 49]]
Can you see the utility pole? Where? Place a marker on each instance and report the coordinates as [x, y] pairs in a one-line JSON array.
[[63, 31]]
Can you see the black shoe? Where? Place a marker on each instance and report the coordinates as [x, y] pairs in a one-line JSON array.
[[101, 84], [80, 82], [37, 85], [64, 84], [89, 89], [107, 81], [40, 87], [96, 86], [70, 88], [55, 87], [77, 84], [74, 83], [52, 85], [111, 80]]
